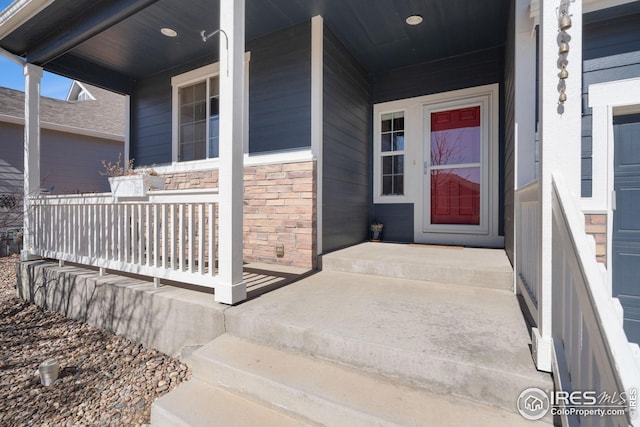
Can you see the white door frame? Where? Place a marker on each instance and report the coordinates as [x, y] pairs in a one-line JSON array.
[[414, 109], [486, 234], [483, 227], [607, 100]]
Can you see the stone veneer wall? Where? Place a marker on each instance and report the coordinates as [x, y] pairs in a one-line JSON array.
[[279, 208], [596, 225]]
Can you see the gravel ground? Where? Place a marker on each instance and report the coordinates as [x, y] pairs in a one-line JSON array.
[[105, 379]]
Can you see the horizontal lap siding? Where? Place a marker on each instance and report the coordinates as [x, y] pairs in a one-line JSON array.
[[611, 51], [474, 69], [346, 156], [280, 90], [151, 121], [279, 99]]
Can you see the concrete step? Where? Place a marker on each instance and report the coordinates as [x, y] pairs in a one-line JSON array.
[[489, 268], [331, 394], [453, 340], [198, 404]]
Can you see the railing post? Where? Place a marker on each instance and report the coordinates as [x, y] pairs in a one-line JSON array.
[[32, 75], [230, 287], [560, 127]]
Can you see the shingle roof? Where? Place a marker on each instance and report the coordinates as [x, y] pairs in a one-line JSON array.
[[105, 114]]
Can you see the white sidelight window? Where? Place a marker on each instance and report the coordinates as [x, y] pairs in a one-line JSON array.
[[392, 153]]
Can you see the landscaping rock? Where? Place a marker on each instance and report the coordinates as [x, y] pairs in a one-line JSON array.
[[104, 379]]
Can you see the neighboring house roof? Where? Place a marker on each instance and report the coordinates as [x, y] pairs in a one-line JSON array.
[[103, 116]]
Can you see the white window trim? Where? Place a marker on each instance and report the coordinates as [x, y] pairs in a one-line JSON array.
[[379, 111], [192, 77], [607, 100]]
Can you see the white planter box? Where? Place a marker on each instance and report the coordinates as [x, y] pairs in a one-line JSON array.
[[135, 185]]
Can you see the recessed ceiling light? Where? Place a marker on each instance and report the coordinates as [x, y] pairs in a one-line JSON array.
[[169, 32], [414, 20]]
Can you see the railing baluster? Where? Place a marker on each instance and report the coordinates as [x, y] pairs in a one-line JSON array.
[[201, 235], [164, 237], [181, 232], [212, 240], [140, 242], [148, 230], [191, 238], [172, 228], [156, 237]]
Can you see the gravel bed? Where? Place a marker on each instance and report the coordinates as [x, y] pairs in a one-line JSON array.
[[105, 379]]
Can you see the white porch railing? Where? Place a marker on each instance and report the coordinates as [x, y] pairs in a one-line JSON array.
[[590, 349], [169, 235], [528, 234]]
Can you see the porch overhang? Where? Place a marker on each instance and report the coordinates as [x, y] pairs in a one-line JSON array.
[[114, 43]]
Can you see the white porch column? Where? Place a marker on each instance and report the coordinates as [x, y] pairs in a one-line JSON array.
[[231, 289], [560, 141], [32, 77], [525, 94]]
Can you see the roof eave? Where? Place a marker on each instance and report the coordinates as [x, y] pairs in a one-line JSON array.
[[19, 12]]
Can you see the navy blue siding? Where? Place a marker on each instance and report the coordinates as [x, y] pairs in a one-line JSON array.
[[397, 219], [611, 51], [474, 69], [346, 142], [279, 98], [280, 90], [151, 121], [470, 70]]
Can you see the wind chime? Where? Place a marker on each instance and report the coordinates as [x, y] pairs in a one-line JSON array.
[[564, 23]]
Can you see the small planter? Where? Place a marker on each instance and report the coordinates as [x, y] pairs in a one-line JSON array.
[[131, 186], [375, 232]]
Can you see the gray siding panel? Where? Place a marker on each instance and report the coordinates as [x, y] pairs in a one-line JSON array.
[[509, 137], [279, 98], [397, 219], [474, 69], [611, 51], [280, 90], [346, 155], [151, 121]]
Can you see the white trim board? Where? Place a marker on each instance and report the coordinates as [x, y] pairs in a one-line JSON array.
[[607, 100], [293, 156], [317, 90]]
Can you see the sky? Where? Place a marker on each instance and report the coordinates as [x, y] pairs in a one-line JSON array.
[[11, 75]]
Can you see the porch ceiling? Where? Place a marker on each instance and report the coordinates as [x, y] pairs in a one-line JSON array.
[[113, 42]]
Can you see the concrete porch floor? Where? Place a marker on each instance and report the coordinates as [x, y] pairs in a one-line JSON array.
[[446, 348]]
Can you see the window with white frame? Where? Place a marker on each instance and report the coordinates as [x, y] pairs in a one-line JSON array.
[[196, 112], [198, 105], [392, 153]]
